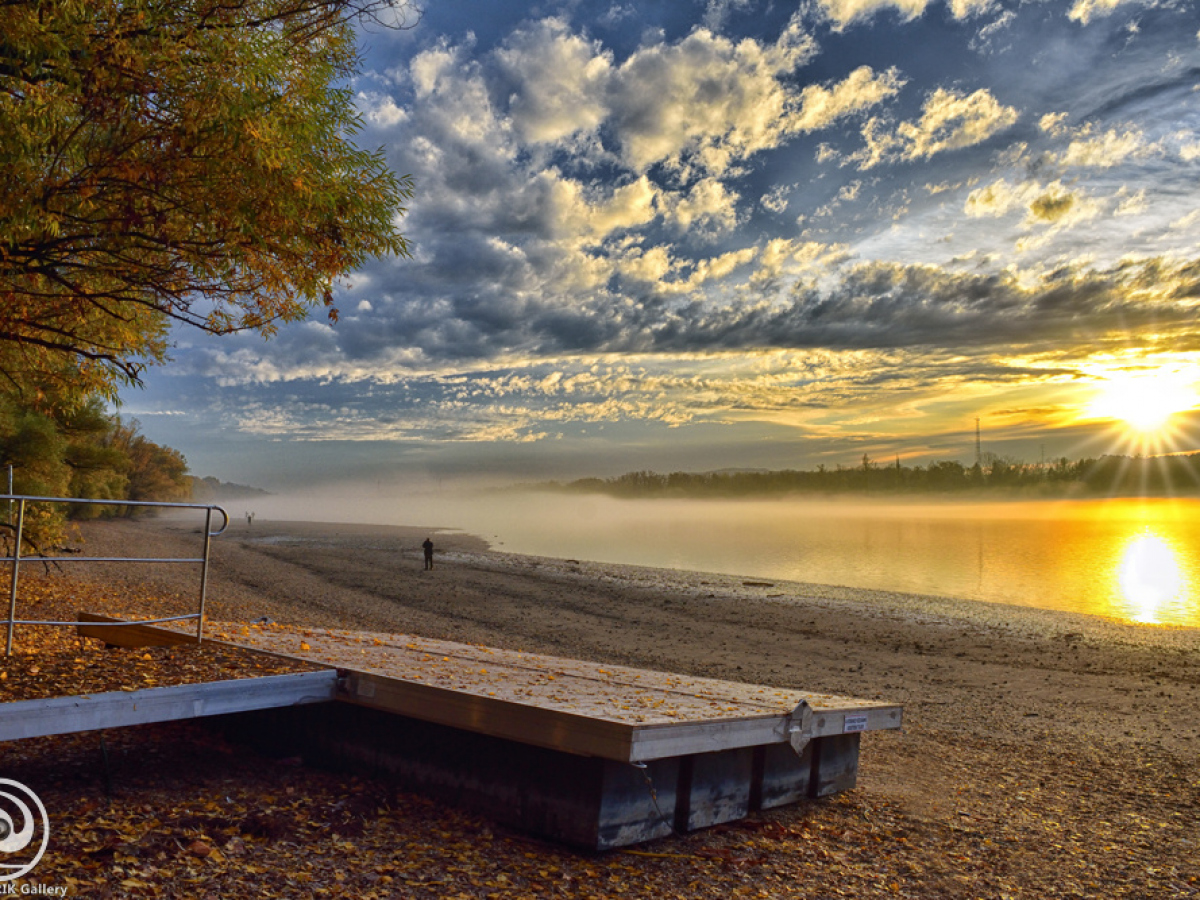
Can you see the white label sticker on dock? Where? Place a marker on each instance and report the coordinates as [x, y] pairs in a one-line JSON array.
[[856, 722], [365, 689]]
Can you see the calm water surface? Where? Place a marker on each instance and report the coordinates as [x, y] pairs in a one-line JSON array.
[[1132, 560]]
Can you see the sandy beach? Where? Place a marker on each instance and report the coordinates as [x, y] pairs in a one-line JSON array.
[[1063, 748]]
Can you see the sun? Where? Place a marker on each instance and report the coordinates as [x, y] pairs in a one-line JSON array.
[[1145, 402]]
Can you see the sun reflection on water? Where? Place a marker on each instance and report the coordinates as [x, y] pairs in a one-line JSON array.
[[1151, 579]]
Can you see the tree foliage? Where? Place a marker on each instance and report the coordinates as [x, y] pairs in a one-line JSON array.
[[81, 451], [1105, 477], [176, 160]]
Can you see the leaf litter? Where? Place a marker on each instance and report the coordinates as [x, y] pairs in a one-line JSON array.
[[173, 810]]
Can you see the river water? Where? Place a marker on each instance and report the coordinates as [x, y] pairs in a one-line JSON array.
[[1132, 560]]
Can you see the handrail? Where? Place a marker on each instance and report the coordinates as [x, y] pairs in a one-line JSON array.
[[162, 504], [12, 621]]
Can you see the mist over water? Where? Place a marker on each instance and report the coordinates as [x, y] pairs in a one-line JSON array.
[[1134, 560]]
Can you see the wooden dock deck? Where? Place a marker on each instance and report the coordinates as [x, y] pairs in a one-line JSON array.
[[594, 755], [592, 709]]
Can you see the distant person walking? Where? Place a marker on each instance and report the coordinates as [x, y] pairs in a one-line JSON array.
[[428, 548]]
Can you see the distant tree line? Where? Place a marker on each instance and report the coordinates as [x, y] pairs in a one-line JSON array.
[[213, 490], [1105, 476]]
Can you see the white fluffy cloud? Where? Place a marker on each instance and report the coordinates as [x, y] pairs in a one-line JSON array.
[[949, 121], [997, 199], [1083, 11], [706, 101], [1052, 204], [591, 216], [454, 103], [845, 12], [560, 81], [1104, 151], [380, 109], [821, 106], [709, 208]]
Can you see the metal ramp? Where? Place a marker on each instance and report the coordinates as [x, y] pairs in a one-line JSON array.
[[118, 709]]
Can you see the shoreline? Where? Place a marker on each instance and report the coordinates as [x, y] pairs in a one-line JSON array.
[[1014, 669], [933, 609], [1042, 754], [1074, 557]]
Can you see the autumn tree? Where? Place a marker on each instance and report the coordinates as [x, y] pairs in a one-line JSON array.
[[176, 161], [80, 450], [154, 472]]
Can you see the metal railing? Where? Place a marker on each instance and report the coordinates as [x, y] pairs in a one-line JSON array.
[[21, 504]]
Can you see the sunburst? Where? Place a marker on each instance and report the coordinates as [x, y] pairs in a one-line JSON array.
[[1145, 402]]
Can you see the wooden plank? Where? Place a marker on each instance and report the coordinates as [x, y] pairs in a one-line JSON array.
[[614, 712], [403, 655], [89, 712], [557, 729], [526, 723], [615, 693], [132, 635]]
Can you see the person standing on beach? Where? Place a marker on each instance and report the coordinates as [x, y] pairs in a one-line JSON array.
[[428, 548]]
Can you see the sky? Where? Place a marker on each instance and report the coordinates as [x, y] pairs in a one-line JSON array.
[[708, 234]]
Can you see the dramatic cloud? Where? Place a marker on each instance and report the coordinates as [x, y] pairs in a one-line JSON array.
[[1051, 203], [843, 12], [708, 206], [839, 221]]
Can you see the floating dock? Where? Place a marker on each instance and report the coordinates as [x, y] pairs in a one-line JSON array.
[[596, 756]]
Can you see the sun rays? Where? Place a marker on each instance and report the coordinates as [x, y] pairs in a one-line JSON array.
[[1146, 402]]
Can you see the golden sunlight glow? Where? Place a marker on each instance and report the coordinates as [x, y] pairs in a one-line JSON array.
[[1144, 402], [1150, 577]]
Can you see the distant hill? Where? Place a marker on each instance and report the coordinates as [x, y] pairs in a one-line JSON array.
[[212, 490]]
